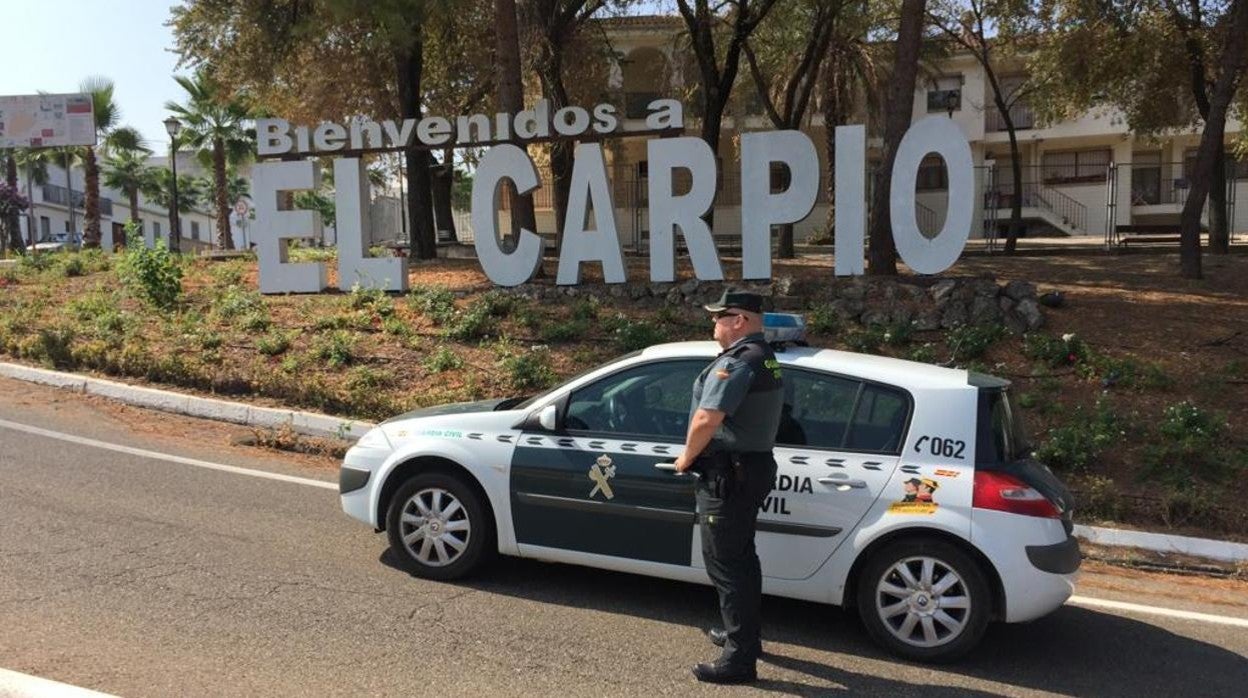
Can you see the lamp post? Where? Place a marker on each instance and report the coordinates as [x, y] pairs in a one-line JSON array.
[[172, 125]]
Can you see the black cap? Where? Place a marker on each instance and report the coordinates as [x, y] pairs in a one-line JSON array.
[[737, 299]]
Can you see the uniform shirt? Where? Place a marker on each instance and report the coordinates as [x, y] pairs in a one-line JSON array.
[[743, 382]]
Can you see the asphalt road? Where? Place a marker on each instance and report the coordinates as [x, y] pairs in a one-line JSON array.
[[143, 577]]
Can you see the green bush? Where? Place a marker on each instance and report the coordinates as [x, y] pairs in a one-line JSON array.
[[865, 340], [257, 321], [153, 275], [73, 266], [210, 341], [336, 349], [273, 343], [395, 326], [499, 303], [226, 274], [434, 302], [443, 360], [36, 263], [1193, 442], [372, 299], [972, 341], [924, 353], [1066, 350], [1078, 443], [566, 331], [50, 346], [586, 308], [822, 319], [898, 334], [235, 302], [528, 371], [474, 323], [364, 378], [632, 335]]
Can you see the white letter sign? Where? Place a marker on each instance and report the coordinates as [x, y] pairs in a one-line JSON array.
[[351, 210], [274, 229], [589, 185], [934, 134], [668, 211], [760, 209], [503, 162]]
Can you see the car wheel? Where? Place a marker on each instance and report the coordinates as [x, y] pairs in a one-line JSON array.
[[439, 527], [924, 600]]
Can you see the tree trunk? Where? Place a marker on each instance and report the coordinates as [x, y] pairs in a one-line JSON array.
[[511, 101], [712, 122], [423, 244], [443, 181], [12, 224], [1016, 201], [91, 218], [1219, 226], [881, 252], [836, 102], [1230, 67], [225, 237]]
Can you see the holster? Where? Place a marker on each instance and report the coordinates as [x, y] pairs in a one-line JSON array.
[[721, 473]]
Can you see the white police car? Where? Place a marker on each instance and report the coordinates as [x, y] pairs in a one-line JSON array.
[[905, 490]]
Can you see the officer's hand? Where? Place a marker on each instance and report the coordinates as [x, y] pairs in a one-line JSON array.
[[683, 464]]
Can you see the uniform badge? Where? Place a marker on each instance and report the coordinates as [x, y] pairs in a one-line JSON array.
[[722, 373], [601, 473]]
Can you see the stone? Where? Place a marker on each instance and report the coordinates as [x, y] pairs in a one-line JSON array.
[[1029, 310], [943, 291], [1019, 290], [912, 292], [616, 290], [848, 307], [782, 286], [673, 296], [854, 291], [986, 288], [1005, 303], [689, 287], [928, 319], [638, 291], [876, 316], [984, 310], [954, 314]]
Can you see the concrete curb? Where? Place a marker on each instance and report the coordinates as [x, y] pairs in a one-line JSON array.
[[1165, 543], [313, 424], [307, 423]]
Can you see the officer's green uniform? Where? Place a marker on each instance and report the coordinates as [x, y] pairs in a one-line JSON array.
[[738, 472]]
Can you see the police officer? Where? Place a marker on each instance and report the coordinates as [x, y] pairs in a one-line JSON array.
[[736, 410]]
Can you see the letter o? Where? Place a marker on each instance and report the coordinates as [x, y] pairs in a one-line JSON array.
[[578, 125], [940, 135]]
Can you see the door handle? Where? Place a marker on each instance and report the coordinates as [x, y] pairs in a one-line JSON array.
[[671, 468], [843, 484]]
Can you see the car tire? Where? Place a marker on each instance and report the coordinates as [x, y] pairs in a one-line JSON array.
[[439, 527], [924, 599]]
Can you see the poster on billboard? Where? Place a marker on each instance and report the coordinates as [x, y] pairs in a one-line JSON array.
[[46, 121]]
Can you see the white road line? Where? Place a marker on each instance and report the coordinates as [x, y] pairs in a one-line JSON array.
[[1074, 600], [1157, 611], [16, 684], [165, 456]]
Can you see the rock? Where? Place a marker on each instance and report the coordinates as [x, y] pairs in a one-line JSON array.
[[689, 287], [984, 310], [1019, 290], [1005, 303], [955, 314], [912, 292], [927, 319], [848, 308], [1029, 311], [673, 296], [1053, 299], [943, 290], [638, 291], [875, 316], [902, 315], [985, 288], [854, 291], [782, 286], [617, 290], [1015, 324]]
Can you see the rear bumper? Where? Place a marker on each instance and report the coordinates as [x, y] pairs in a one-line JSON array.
[[1059, 558]]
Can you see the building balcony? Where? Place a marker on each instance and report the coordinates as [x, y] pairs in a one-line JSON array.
[[55, 194], [1020, 114]]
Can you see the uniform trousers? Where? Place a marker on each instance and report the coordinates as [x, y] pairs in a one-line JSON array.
[[728, 514]]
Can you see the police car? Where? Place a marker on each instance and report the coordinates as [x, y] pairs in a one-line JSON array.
[[905, 491]]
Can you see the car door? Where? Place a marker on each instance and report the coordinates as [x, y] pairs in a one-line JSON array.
[[592, 486], [838, 444]]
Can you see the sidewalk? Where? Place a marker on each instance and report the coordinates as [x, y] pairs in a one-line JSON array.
[[325, 426]]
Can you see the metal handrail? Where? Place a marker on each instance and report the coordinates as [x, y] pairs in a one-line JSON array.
[[1021, 114], [929, 222]]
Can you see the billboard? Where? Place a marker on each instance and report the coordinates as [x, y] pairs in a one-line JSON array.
[[46, 121]]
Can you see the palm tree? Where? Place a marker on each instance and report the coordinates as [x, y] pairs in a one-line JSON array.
[[127, 171], [192, 190], [107, 115], [34, 162], [216, 123]]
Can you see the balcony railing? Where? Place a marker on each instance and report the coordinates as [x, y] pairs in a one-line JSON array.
[[1020, 114], [55, 194]]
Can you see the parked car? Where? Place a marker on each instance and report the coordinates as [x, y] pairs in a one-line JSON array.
[[905, 491], [57, 242]]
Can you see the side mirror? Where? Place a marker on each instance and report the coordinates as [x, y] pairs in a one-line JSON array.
[[549, 417]]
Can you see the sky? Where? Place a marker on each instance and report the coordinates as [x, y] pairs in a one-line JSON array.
[[52, 46]]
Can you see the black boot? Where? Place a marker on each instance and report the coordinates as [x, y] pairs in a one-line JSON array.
[[718, 636], [726, 673]]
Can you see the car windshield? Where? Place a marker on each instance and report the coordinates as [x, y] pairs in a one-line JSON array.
[[1002, 435], [528, 402]]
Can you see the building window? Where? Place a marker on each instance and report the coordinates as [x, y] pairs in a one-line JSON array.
[[1235, 168], [194, 230], [45, 227], [67, 227], [156, 230], [1075, 167], [933, 176], [945, 94]]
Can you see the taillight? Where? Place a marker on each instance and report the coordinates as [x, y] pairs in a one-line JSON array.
[[1002, 492]]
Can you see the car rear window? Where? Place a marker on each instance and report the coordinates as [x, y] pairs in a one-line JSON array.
[[1002, 436]]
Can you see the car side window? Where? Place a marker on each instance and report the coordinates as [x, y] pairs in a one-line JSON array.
[[650, 400], [817, 408], [879, 420]]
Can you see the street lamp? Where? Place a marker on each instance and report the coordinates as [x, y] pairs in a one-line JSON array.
[[172, 125]]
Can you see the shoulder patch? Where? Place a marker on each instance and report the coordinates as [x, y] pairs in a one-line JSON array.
[[722, 373]]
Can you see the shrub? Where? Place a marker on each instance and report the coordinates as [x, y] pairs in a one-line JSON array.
[[257, 321], [1067, 350], [226, 274], [336, 350], [631, 335], [822, 319], [586, 308], [443, 360], [925, 353], [1196, 442], [565, 331], [499, 303], [434, 302], [73, 266], [210, 340], [1081, 441], [235, 302], [972, 341], [373, 299], [898, 334], [50, 345], [154, 275], [395, 326], [364, 378], [475, 323], [35, 263], [273, 343], [866, 340], [527, 371]]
